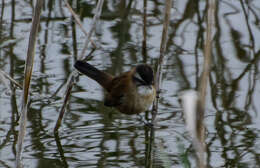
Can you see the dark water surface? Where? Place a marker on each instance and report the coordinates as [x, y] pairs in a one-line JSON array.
[[96, 136]]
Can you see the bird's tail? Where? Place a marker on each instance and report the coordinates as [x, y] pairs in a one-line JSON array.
[[101, 77]]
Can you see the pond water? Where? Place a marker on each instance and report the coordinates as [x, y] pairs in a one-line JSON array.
[[93, 135]]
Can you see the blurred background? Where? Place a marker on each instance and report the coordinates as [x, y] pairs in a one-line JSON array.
[[128, 33]]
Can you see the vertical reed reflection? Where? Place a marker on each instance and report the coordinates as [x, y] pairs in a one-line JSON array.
[[117, 55], [1, 17], [149, 147], [231, 120], [14, 106]]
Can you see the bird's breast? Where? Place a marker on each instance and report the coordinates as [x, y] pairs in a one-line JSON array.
[[145, 97], [145, 90], [137, 100]]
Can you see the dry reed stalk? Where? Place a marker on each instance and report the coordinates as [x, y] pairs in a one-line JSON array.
[[60, 149], [79, 23], [74, 72], [27, 80], [10, 78], [67, 96], [167, 14], [98, 11], [207, 51], [204, 83]]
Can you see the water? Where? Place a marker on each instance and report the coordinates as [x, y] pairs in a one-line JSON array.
[[93, 135]]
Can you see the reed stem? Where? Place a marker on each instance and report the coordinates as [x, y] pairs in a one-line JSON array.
[[204, 83], [67, 96], [98, 11], [79, 23], [167, 14], [27, 80], [74, 72]]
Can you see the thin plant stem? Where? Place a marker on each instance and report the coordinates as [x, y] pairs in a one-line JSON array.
[[60, 149], [204, 83], [167, 14], [207, 52], [11, 79], [96, 17], [66, 99], [79, 22], [74, 72], [27, 80]]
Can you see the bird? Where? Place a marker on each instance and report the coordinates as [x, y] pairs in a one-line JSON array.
[[131, 92]]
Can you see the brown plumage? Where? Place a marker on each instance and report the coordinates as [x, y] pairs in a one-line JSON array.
[[131, 92]]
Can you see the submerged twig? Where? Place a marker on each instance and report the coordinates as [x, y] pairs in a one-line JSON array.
[[10, 78], [79, 22], [27, 79], [167, 14]]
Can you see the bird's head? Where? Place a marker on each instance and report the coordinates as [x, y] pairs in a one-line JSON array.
[[143, 75]]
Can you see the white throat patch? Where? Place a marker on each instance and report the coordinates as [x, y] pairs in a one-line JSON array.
[[145, 90]]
